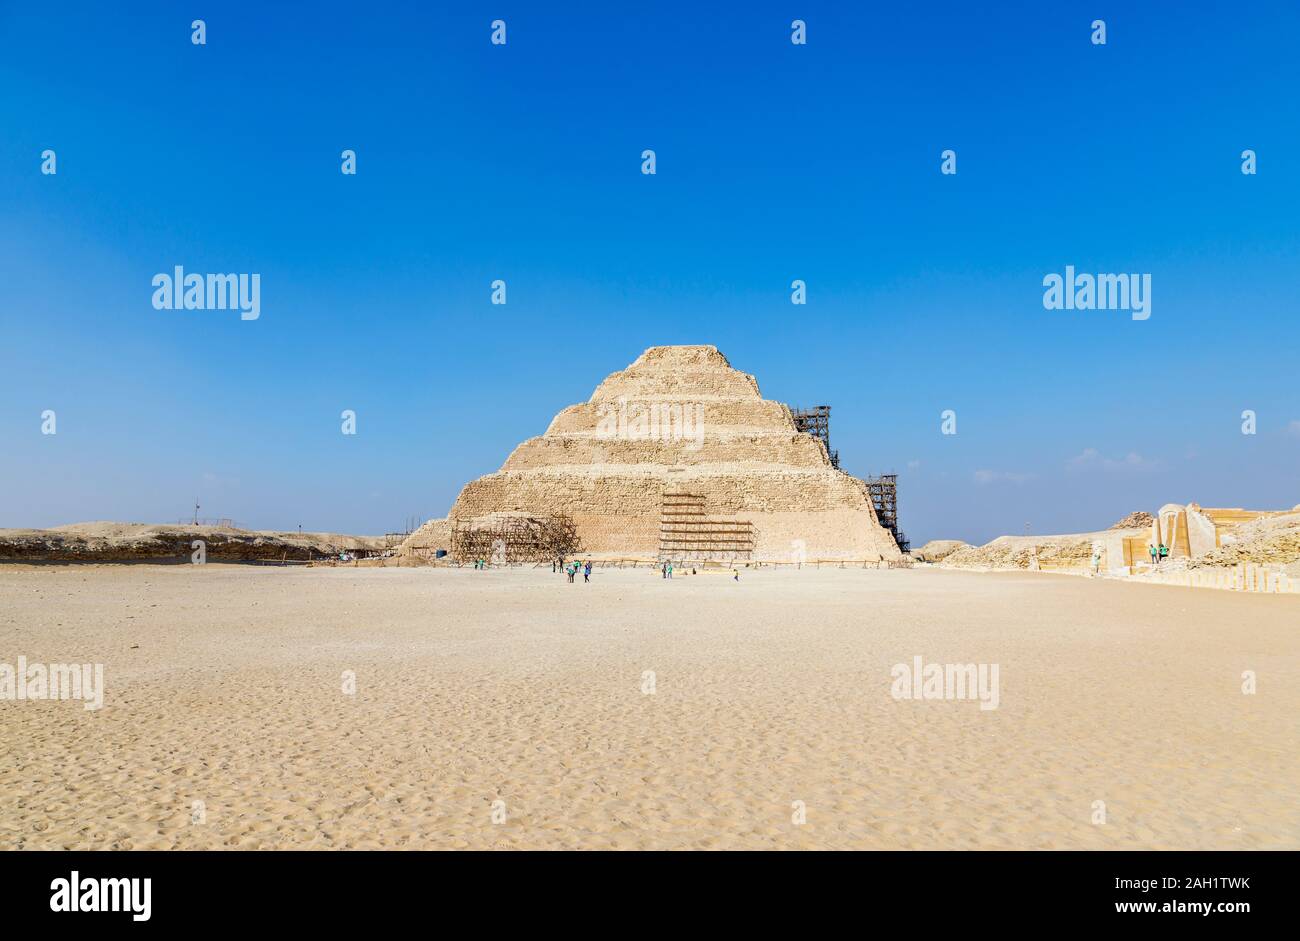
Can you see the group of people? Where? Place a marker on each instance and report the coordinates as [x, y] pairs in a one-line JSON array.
[[1158, 553], [571, 569], [666, 569]]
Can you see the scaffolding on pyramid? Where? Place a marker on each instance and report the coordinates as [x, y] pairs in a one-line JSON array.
[[505, 540], [816, 421], [884, 496], [687, 533]]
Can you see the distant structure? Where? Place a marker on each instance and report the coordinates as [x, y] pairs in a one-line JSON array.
[[1189, 532], [676, 457], [396, 538], [223, 522]]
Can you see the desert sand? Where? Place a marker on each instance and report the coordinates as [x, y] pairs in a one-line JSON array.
[[223, 685]]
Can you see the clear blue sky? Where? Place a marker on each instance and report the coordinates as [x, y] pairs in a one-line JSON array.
[[522, 162]]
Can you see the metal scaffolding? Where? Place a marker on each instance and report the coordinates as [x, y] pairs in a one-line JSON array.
[[816, 421], [884, 495]]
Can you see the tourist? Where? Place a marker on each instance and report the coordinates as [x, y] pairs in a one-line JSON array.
[[663, 570], [735, 575], [586, 571], [1164, 552], [670, 570], [1152, 549]]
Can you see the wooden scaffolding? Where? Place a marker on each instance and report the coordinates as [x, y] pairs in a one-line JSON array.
[[509, 539], [686, 532]]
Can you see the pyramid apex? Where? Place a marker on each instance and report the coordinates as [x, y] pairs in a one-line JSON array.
[[682, 356]]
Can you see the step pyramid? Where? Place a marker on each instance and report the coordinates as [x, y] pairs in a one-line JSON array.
[[680, 420]]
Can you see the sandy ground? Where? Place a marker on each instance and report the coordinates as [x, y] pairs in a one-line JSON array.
[[474, 687]]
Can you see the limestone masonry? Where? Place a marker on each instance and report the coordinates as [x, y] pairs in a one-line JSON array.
[[679, 456]]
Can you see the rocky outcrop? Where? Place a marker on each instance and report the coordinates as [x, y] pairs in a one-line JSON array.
[[1138, 519], [936, 550], [1268, 540], [143, 542], [1027, 552]]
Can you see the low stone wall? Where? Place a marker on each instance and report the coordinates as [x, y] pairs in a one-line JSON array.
[[1247, 577]]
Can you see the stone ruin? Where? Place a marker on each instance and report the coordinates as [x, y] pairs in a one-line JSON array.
[[679, 457]]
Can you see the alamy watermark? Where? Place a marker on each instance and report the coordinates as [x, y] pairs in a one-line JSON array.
[[1131, 292], [89, 894], [84, 681], [951, 681], [652, 421], [181, 291]]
